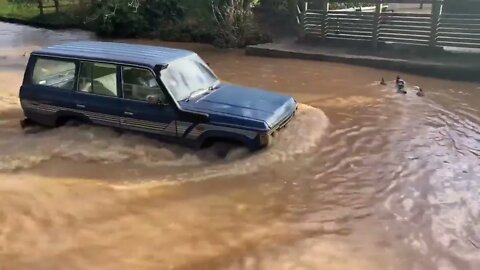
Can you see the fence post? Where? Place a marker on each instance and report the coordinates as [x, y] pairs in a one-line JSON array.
[[57, 6], [304, 14], [436, 11], [376, 23], [300, 18], [325, 8], [40, 6]]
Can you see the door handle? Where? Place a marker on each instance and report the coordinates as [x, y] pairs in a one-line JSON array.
[[81, 106], [128, 113]]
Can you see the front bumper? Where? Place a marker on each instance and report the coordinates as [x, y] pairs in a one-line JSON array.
[[266, 138]]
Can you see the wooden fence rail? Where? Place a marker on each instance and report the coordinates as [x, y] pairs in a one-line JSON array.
[[452, 30], [459, 30], [405, 28]]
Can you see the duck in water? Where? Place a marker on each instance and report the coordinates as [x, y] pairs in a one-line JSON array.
[[382, 82], [420, 92], [401, 88], [400, 85], [399, 81]]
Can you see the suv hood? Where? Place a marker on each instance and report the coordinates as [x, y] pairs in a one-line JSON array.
[[242, 102]]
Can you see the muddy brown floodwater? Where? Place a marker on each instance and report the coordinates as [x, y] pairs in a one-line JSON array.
[[363, 178]]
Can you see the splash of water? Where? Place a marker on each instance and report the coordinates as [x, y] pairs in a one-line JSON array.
[[101, 145]]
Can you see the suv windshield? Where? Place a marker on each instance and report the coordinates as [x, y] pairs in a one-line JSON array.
[[182, 77]]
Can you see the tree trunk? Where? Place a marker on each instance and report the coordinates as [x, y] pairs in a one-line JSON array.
[[40, 6], [57, 5]]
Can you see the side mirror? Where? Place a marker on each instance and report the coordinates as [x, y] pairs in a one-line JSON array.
[[153, 99]]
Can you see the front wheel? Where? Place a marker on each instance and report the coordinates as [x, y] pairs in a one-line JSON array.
[[221, 149]]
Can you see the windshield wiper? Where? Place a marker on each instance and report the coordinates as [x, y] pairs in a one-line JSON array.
[[216, 85], [197, 91], [210, 88]]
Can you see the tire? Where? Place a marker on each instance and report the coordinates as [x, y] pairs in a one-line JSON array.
[[221, 149], [69, 122], [73, 123]]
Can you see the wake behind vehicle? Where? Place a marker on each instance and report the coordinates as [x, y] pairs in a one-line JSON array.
[[168, 93]]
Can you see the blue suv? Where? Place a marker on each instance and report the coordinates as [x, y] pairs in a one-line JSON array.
[[169, 93]]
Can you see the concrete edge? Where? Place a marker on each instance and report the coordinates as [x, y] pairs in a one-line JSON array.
[[460, 73]]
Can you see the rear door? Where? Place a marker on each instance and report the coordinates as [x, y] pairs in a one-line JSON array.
[[48, 87], [97, 96], [139, 84]]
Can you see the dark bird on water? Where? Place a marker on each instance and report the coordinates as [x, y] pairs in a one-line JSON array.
[[382, 82], [401, 87], [399, 81]]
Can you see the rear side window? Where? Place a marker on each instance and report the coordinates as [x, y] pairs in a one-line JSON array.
[[98, 78], [55, 73]]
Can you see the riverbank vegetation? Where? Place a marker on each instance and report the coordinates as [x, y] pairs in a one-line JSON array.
[[68, 14], [7, 10], [225, 23]]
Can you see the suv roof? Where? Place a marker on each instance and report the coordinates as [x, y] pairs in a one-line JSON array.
[[116, 52]]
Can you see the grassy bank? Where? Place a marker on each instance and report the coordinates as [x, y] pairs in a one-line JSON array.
[[7, 10], [30, 15]]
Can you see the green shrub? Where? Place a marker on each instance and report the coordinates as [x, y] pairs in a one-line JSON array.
[[279, 7], [126, 18], [186, 31], [235, 25]]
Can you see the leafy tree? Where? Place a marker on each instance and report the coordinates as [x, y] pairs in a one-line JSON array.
[[128, 18], [235, 24]]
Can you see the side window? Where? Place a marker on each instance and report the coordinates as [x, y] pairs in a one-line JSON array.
[[139, 83], [54, 73], [98, 78]]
